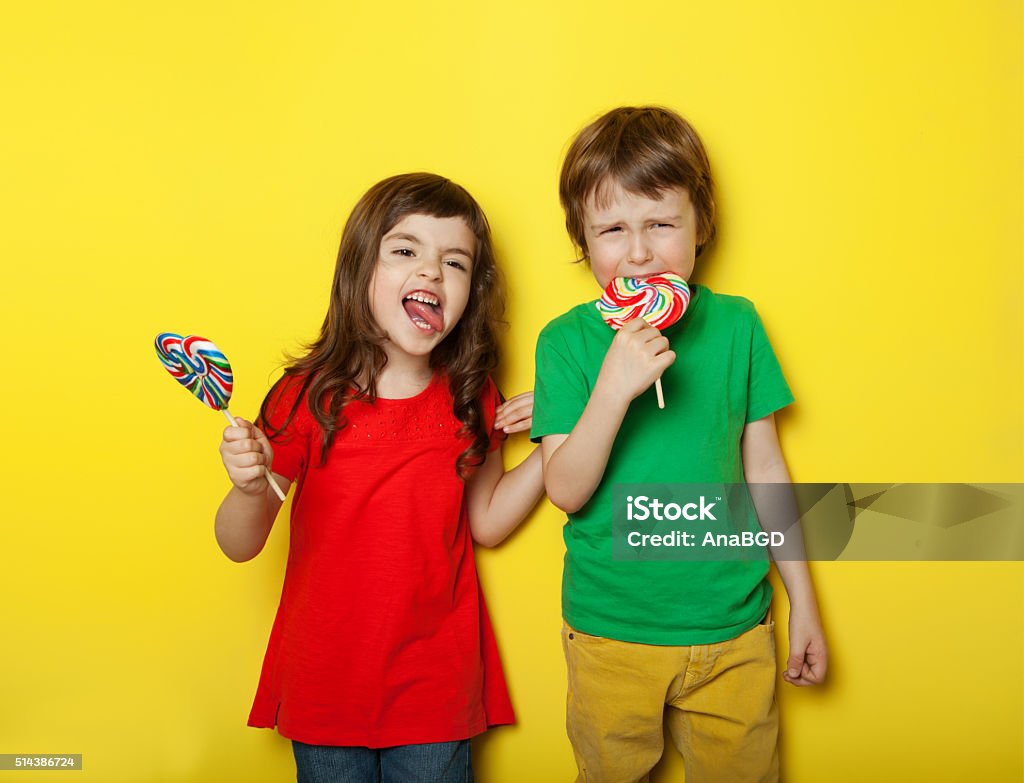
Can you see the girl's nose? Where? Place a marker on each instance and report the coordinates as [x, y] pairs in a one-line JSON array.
[[430, 268]]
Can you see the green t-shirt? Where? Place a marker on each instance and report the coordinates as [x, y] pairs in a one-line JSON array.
[[725, 375]]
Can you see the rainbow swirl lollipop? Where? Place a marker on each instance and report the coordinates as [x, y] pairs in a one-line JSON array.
[[660, 300], [198, 365], [203, 369]]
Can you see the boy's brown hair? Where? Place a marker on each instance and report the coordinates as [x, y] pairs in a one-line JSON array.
[[646, 150]]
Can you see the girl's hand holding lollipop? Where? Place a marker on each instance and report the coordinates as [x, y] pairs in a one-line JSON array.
[[203, 369]]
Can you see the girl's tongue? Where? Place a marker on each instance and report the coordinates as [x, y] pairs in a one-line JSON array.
[[424, 315]]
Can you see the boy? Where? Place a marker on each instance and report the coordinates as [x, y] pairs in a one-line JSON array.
[[639, 637]]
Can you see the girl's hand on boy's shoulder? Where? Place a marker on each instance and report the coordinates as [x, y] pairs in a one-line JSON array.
[[515, 414], [245, 451]]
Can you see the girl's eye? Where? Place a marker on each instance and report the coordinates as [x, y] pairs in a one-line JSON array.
[[662, 225], [403, 251], [455, 263]]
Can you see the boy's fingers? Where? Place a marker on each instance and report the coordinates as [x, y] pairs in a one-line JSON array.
[[634, 325], [807, 678], [816, 666], [794, 665], [656, 347], [811, 676], [638, 326]]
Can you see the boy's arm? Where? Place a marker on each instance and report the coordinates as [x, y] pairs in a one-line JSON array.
[[575, 463], [763, 463]]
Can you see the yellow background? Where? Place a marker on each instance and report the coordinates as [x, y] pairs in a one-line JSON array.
[[188, 167]]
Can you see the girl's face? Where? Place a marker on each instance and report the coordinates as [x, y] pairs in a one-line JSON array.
[[421, 283]]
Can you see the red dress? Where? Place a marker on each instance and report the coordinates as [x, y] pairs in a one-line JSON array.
[[382, 637]]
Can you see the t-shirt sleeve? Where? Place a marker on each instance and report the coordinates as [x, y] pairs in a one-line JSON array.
[[767, 390], [560, 390], [289, 439], [491, 399]]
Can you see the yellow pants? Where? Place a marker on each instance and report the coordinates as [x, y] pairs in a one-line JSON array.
[[720, 698]]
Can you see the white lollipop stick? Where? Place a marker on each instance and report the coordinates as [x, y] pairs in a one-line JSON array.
[[266, 470], [661, 397]]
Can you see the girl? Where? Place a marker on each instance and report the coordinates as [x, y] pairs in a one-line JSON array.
[[381, 662]]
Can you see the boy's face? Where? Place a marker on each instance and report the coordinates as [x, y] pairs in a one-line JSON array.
[[635, 236]]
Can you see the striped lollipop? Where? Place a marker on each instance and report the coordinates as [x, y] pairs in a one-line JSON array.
[[198, 365], [660, 300], [203, 369]]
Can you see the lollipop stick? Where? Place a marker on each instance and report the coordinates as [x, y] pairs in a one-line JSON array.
[[266, 470], [661, 397]]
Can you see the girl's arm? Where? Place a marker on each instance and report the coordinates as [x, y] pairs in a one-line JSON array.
[[763, 463], [498, 501], [247, 514]]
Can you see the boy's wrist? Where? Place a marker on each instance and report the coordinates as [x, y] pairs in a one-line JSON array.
[[609, 401], [803, 601]]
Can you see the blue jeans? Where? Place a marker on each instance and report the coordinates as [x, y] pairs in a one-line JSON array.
[[433, 762]]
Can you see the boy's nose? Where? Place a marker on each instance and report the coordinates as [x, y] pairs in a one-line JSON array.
[[639, 252]]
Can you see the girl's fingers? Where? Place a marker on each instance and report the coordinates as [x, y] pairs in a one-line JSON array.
[[514, 412], [516, 408], [241, 466], [522, 425], [520, 396], [248, 475], [252, 458], [262, 439], [236, 433], [243, 446]]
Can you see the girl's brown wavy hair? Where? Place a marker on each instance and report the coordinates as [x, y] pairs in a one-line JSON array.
[[345, 361]]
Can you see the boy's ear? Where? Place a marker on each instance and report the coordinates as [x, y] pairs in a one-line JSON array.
[[702, 240]]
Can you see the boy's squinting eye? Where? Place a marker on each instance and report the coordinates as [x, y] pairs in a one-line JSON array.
[[610, 230]]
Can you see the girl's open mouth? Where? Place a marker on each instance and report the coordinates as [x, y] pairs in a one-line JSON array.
[[424, 310]]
